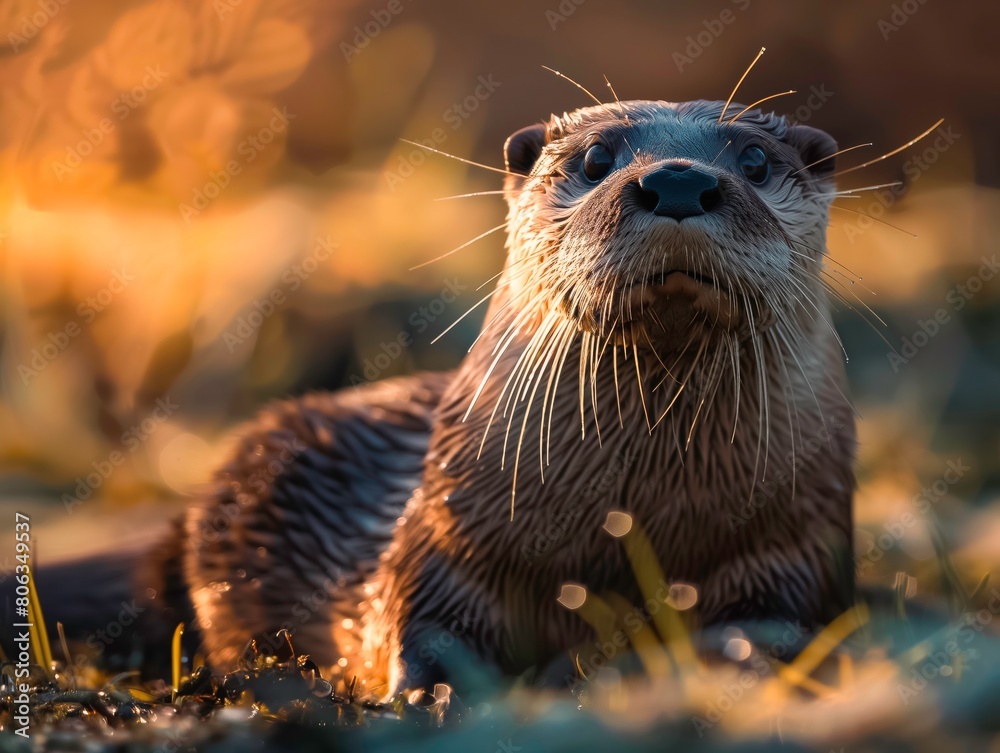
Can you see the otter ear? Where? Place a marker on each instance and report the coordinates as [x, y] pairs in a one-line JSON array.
[[815, 147], [523, 147]]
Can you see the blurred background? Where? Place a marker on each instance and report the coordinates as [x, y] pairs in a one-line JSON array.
[[205, 205]]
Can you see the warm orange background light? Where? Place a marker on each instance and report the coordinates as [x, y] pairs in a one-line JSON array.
[[174, 171]]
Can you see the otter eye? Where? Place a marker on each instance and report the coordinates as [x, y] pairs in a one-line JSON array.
[[597, 162], [755, 165]]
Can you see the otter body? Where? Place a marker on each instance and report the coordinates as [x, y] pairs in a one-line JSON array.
[[659, 344]]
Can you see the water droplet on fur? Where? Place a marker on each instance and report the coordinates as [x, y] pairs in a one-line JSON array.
[[737, 649], [572, 596], [682, 596], [618, 523]]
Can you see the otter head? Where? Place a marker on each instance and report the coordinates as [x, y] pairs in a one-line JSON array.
[[668, 219]]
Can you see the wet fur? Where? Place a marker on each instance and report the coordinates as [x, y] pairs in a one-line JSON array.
[[733, 445]]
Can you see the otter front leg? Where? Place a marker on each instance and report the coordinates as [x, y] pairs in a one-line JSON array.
[[429, 622], [808, 585], [298, 517]]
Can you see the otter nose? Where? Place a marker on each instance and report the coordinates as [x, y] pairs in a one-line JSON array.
[[679, 190]]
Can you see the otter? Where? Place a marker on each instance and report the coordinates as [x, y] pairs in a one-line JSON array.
[[659, 344]]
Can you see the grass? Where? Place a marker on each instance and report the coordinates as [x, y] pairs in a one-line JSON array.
[[883, 673]]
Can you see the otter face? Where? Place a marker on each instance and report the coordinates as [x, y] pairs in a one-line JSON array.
[[656, 215]]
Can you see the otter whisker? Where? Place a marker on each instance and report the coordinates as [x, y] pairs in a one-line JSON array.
[[827, 258], [522, 374], [579, 86], [852, 279], [758, 102], [638, 377], [704, 397], [829, 157], [618, 396], [883, 222], [807, 297], [469, 311], [856, 297], [594, 364], [488, 326], [737, 87], [503, 342], [795, 410], [897, 150], [761, 392], [669, 371], [656, 355], [524, 424], [728, 144], [512, 265], [567, 338], [848, 191], [470, 195], [621, 109], [734, 344], [790, 349], [681, 385], [459, 248], [462, 159]]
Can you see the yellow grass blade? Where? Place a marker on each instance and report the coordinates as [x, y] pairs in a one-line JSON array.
[[39, 635], [650, 578], [175, 656], [822, 645]]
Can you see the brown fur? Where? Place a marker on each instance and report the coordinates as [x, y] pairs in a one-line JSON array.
[[714, 414]]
